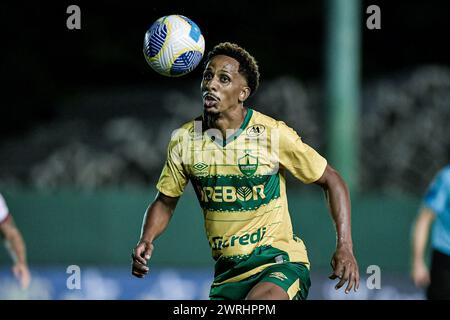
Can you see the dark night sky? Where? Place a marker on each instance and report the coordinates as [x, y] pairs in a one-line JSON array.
[[42, 61]]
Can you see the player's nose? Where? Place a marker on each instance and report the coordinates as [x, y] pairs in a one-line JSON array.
[[211, 84]]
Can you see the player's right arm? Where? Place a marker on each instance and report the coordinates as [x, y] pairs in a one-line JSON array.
[[434, 203], [419, 271], [16, 247], [170, 187], [156, 219], [15, 244]]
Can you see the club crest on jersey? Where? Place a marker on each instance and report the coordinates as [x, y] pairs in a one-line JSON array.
[[248, 164], [255, 130]]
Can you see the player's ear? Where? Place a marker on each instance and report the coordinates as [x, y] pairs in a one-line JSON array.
[[244, 94]]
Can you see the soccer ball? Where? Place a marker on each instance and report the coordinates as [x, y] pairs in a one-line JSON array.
[[173, 45]]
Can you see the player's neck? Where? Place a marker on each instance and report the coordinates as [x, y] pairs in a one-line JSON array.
[[228, 121]]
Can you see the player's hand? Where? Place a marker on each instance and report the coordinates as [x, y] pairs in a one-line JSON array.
[[21, 272], [420, 274], [345, 268], [140, 256]]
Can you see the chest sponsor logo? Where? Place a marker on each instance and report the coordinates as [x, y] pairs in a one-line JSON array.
[[231, 193], [235, 192], [219, 242]]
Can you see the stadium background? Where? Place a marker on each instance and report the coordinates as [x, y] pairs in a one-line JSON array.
[[85, 122]]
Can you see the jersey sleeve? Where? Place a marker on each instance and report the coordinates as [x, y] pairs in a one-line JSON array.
[[438, 193], [173, 178], [4, 212], [305, 163]]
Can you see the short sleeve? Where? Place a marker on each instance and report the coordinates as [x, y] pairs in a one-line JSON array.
[[437, 195], [4, 212], [305, 163], [173, 178]]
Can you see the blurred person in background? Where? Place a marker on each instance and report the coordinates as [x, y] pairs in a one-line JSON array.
[[15, 245], [244, 202], [435, 210]]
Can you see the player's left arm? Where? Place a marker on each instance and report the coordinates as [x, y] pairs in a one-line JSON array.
[[16, 246], [343, 261]]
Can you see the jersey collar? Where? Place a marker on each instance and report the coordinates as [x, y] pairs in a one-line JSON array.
[[236, 134]]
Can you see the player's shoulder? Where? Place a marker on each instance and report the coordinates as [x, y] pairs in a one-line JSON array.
[[272, 124], [186, 130], [446, 169], [182, 136], [442, 178], [444, 173], [189, 125], [266, 120], [4, 212]]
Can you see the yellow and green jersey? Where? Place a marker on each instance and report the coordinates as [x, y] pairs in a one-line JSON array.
[[241, 187]]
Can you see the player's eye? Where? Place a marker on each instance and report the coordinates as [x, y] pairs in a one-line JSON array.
[[207, 76], [224, 79]]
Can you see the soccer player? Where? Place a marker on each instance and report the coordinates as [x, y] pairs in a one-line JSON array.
[[236, 159], [435, 208], [15, 245]]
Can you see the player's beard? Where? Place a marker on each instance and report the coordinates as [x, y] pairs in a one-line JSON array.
[[210, 118]]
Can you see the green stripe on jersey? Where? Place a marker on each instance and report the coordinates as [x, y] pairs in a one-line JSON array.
[[236, 193]]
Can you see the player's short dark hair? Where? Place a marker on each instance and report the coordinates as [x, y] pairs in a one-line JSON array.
[[248, 66]]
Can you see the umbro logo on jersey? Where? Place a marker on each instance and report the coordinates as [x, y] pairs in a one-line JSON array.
[[278, 275], [200, 166], [255, 130]]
